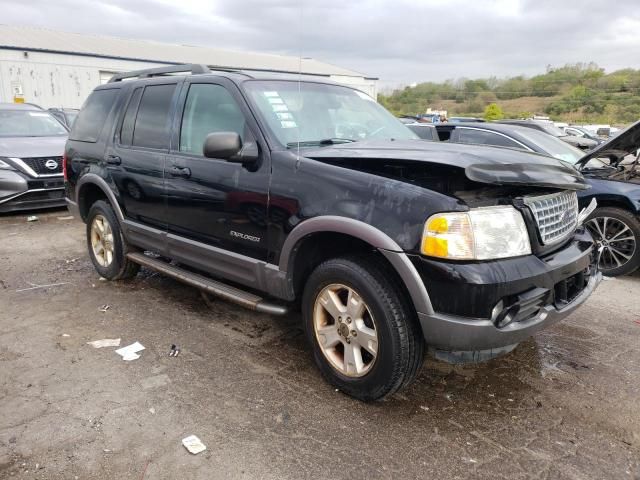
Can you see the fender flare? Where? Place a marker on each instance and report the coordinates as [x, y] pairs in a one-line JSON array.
[[374, 237], [93, 179]]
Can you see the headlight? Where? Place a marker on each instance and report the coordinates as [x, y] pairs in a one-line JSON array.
[[5, 166], [479, 234]]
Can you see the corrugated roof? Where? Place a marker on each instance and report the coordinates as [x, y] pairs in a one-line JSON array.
[[32, 38]]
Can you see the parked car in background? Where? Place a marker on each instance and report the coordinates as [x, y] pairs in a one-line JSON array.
[[582, 132], [276, 192], [31, 147], [551, 129], [66, 116], [611, 170], [465, 119]]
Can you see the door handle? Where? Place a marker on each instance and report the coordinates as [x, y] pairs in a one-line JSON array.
[[179, 171], [113, 160]]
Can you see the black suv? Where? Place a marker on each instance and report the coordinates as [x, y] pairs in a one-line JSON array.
[[277, 193]]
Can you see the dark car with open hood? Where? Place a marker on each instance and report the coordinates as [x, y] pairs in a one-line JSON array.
[[278, 194], [31, 146]]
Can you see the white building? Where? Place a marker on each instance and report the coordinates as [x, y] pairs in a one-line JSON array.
[[60, 69]]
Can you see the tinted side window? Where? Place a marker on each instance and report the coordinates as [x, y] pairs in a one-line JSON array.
[[152, 122], [93, 115], [482, 137], [126, 132], [209, 108]]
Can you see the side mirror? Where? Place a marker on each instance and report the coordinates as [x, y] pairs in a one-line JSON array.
[[228, 146]]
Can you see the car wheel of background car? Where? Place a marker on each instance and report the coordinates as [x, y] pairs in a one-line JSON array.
[[107, 247], [617, 233], [364, 334]]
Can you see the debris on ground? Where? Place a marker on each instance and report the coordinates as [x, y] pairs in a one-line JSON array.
[[102, 279], [104, 308], [66, 335], [152, 411], [72, 260], [68, 217], [130, 352], [34, 287], [174, 351], [193, 444], [105, 342], [32, 218]]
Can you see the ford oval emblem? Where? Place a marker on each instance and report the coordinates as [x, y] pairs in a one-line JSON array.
[[51, 164]]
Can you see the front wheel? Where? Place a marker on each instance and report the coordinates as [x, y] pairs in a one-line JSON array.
[[363, 332], [617, 235], [107, 247]]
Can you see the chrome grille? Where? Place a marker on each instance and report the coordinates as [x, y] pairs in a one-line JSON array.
[[556, 215]]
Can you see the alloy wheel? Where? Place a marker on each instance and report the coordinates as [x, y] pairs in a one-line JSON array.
[[615, 240], [345, 330], [102, 240]]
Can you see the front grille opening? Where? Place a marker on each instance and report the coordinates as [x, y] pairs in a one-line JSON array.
[[567, 290]]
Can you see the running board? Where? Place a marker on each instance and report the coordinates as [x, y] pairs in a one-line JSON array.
[[219, 289]]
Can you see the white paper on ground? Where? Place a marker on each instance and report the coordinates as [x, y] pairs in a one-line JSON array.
[[193, 444], [105, 342], [129, 352]]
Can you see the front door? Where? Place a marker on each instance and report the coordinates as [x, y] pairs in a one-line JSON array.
[[214, 206]]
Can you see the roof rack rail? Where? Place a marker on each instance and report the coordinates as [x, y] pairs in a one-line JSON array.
[[194, 69]]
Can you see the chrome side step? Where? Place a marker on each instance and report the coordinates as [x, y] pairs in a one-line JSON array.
[[219, 289]]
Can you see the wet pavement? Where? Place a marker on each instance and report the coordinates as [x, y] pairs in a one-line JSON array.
[[565, 404]]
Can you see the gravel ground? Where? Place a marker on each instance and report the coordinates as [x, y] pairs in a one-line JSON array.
[[565, 404]]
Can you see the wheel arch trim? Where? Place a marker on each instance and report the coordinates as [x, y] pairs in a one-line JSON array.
[[394, 254], [93, 179]]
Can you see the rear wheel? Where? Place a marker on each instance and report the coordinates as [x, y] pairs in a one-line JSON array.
[[617, 235], [362, 330], [107, 246]]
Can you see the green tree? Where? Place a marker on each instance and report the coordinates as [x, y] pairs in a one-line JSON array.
[[493, 112]]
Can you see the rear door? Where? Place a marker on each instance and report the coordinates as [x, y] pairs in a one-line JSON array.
[[138, 153], [215, 206]]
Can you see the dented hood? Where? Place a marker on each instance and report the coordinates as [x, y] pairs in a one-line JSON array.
[[615, 149], [491, 165]]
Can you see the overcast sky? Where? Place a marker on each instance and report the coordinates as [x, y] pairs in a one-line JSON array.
[[399, 41]]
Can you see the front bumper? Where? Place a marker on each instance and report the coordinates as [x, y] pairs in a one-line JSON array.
[[464, 296], [21, 192]]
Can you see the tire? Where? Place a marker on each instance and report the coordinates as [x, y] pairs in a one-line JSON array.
[[618, 231], [387, 313], [115, 266]]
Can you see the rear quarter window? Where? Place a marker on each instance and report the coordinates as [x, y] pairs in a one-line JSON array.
[[93, 115]]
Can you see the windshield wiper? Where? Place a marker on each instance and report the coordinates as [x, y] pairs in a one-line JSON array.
[[315, 143]]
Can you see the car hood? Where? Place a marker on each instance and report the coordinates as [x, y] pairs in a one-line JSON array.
[[491, 165], [25, 147], [615, 149]]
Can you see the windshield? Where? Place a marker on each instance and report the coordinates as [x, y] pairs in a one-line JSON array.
[[553, 146], [29, 123], [318, 114]]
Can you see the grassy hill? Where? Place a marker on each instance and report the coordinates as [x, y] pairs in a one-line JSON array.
[[581, 93]]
